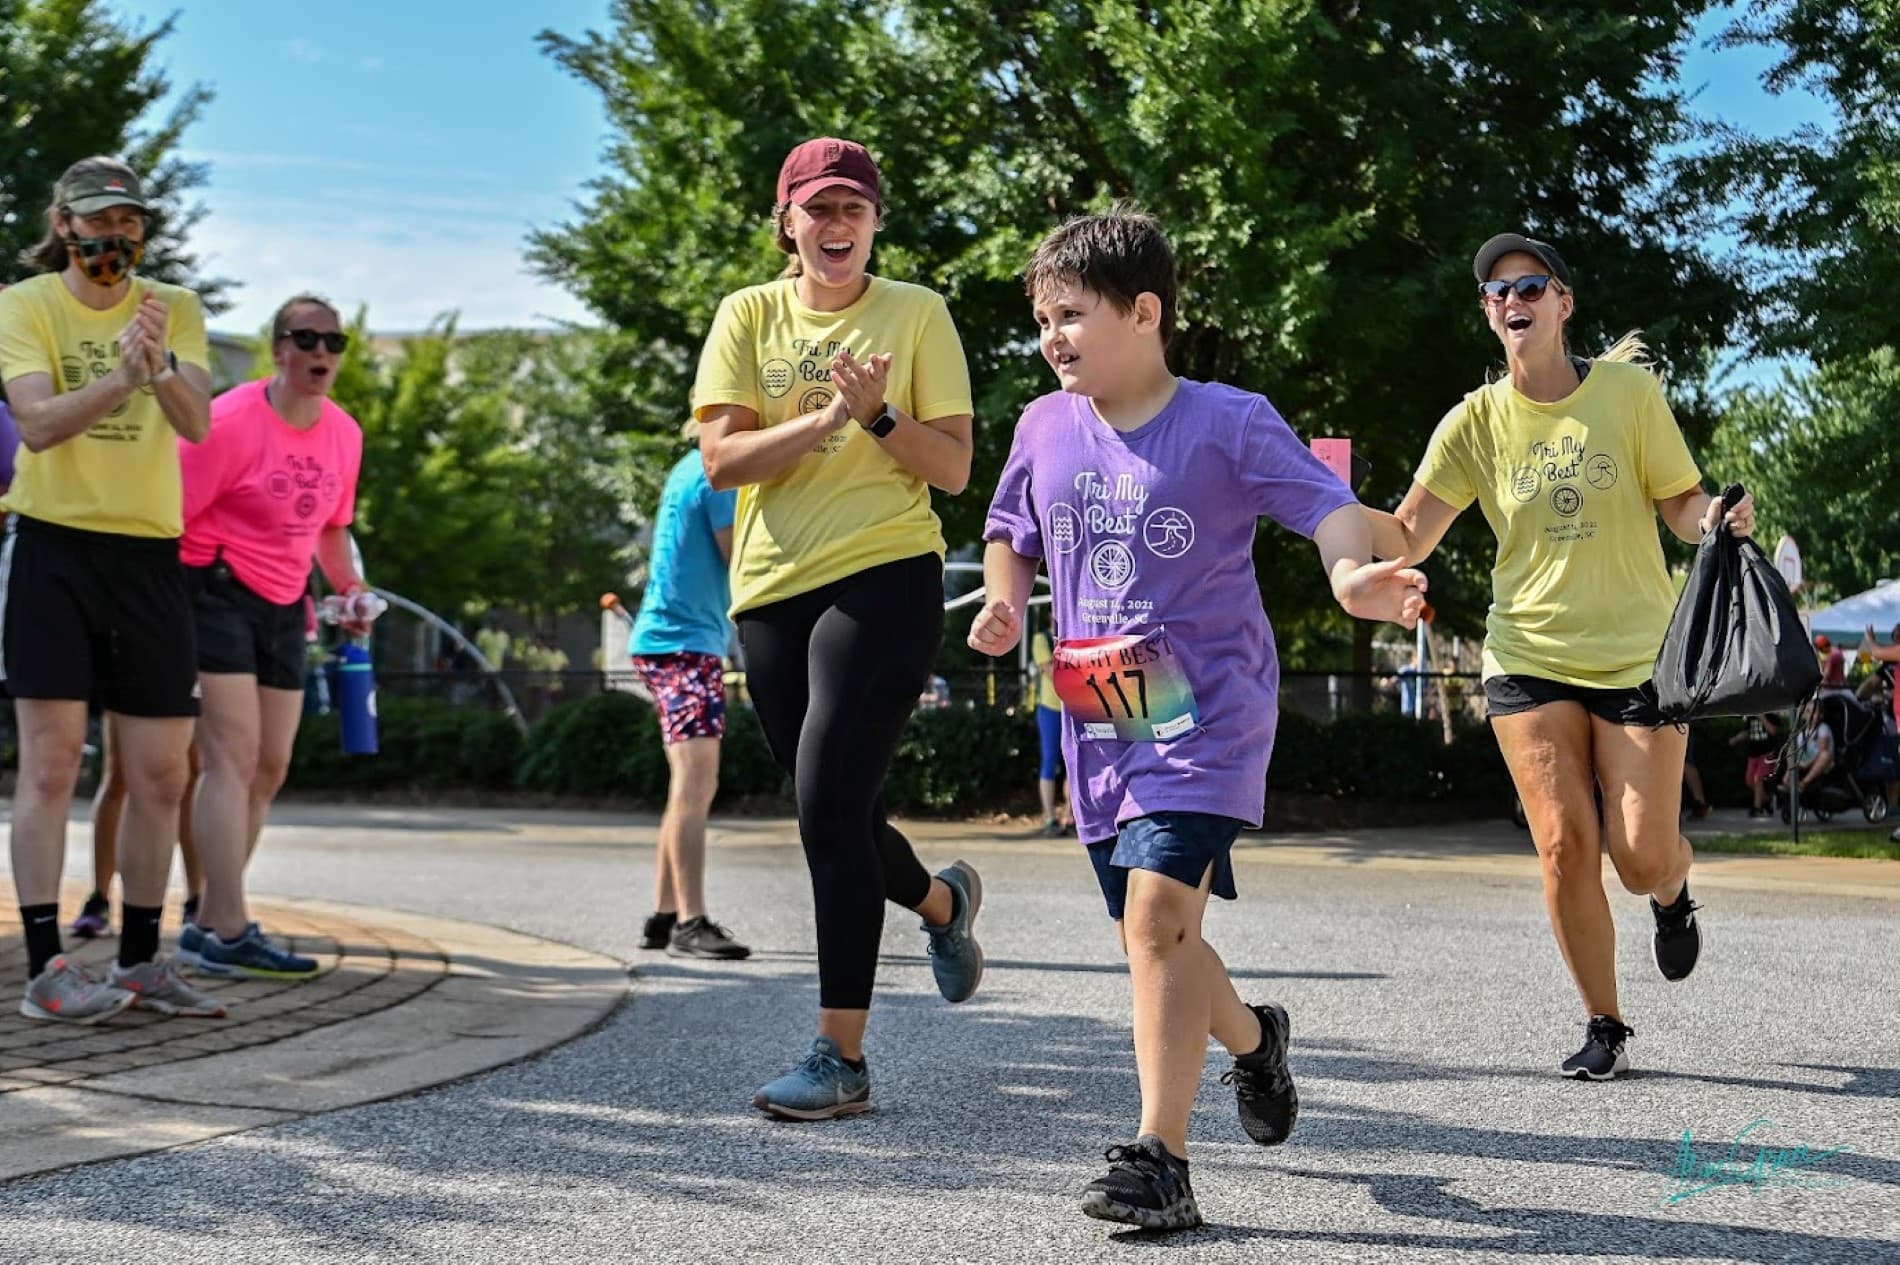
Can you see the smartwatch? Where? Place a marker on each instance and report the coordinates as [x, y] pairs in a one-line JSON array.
[[171, 367], [884, 423]]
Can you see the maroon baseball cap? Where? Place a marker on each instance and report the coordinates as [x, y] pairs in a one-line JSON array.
[[824, 162]]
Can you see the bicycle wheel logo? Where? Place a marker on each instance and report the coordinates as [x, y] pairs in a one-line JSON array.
[[1112, 564]]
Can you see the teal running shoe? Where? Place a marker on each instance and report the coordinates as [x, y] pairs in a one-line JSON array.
[[191, 943], [956, 959], [823, 1087]]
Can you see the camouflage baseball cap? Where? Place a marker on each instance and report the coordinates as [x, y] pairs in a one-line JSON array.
[[93, 187]]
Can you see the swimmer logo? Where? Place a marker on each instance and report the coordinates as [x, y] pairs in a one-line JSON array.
[[1524, 484], [1065, 527], [776, 377]]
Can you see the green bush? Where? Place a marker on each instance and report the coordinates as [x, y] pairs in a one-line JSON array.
[[422, 743]]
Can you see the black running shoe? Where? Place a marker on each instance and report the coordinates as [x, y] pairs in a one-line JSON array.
[[1263, 1083], [1144, 1186], [658, 931], [1602, 1057], [1678, 940], [701, 937]]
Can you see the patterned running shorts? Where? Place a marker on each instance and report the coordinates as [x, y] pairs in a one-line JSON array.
[[689, 690]]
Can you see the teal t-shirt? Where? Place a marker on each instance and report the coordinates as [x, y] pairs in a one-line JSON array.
[[684, 608]]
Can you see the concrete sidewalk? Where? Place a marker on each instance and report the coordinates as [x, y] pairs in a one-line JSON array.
[[402, 1002]]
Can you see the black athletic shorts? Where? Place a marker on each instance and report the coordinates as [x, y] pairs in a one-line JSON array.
[[1509, 695], [240, 631], [96, 617]]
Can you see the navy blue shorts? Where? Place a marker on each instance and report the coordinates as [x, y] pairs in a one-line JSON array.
[[1179, 845]]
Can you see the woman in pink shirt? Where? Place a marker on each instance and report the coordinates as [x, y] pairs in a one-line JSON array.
[[272, 488]]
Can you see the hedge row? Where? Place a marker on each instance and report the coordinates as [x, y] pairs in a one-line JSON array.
[[956, 760]]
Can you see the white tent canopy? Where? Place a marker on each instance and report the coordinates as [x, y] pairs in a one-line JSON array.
[[1847, 619]]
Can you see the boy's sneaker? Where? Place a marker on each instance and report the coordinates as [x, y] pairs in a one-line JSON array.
[[956, 959], [157, 985], [657, 932], [191, 943], [1144, 1186], [1603, 1056], [1678, 940], [701, 937], [253, 956], [94, 919], [822, 1087], [66, 992], [1263, 1083]]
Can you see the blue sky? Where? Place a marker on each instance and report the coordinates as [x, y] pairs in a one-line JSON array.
[[396, 153]]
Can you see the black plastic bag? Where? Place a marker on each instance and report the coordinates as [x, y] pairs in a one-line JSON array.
[[1735, 645]]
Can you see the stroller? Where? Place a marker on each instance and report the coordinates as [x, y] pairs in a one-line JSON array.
[[1857, 734]]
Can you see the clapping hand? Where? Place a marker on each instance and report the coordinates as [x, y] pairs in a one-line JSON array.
[[1389, 591], [860, 384]]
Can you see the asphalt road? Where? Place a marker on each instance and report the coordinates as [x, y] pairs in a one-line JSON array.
[[1429, 1008]]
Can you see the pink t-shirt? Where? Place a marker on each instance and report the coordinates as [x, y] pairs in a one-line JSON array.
[[262, 490]]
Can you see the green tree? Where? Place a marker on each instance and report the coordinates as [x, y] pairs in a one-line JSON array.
[[1325, 170], [1819, 210], [1818, 453], [487, 478], [77, 80]]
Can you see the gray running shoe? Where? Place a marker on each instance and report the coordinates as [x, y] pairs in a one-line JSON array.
[[955, 957], [701, 937], [824, 1086], [157, 985], [65, 992], [254, 956]]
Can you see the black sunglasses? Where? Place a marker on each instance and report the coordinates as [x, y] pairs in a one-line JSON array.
[[307, 340], [1530, 289]]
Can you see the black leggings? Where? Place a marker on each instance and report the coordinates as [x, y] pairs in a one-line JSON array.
[[834, 675]]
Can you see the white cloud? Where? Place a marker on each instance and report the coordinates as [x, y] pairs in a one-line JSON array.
[[302, 50], [407, 269]]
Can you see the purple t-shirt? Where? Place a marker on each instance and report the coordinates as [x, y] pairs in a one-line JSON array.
[[9, 445], [1154, 529]]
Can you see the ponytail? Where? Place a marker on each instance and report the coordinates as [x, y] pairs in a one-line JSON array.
[[1630, 350], [782, 238]]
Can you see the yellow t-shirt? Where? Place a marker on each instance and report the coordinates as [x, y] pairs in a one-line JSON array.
[[1043, 655], [848, 504], [121, 475], [1579, 592]]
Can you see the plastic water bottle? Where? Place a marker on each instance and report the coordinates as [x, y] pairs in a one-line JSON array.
[[362, 606], [356, 700]]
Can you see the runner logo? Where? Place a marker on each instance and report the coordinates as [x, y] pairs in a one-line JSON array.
[[1601, 471], [1168, 533]]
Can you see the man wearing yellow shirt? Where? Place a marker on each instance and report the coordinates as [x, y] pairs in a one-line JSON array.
[[105, 370]]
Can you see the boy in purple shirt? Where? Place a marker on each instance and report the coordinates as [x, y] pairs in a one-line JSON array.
[[1141, 492]]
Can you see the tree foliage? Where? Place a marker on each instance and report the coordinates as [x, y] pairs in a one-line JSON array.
[[77, 80], [1325, 170], [487, 477], [1818, 452], [1820, 208]]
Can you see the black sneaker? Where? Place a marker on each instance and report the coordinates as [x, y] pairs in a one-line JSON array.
[[657, 933], [1678, 940], [1263, 1083], [1602, 1057], [701, 937], [1144, 1186]]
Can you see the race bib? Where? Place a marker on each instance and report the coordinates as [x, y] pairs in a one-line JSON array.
[[1129, 688]]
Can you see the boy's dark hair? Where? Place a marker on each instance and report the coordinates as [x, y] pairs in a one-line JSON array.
[[1118, 253]]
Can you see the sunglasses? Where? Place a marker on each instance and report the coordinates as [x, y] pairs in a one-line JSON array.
[[307, 340], [1530, 289]]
